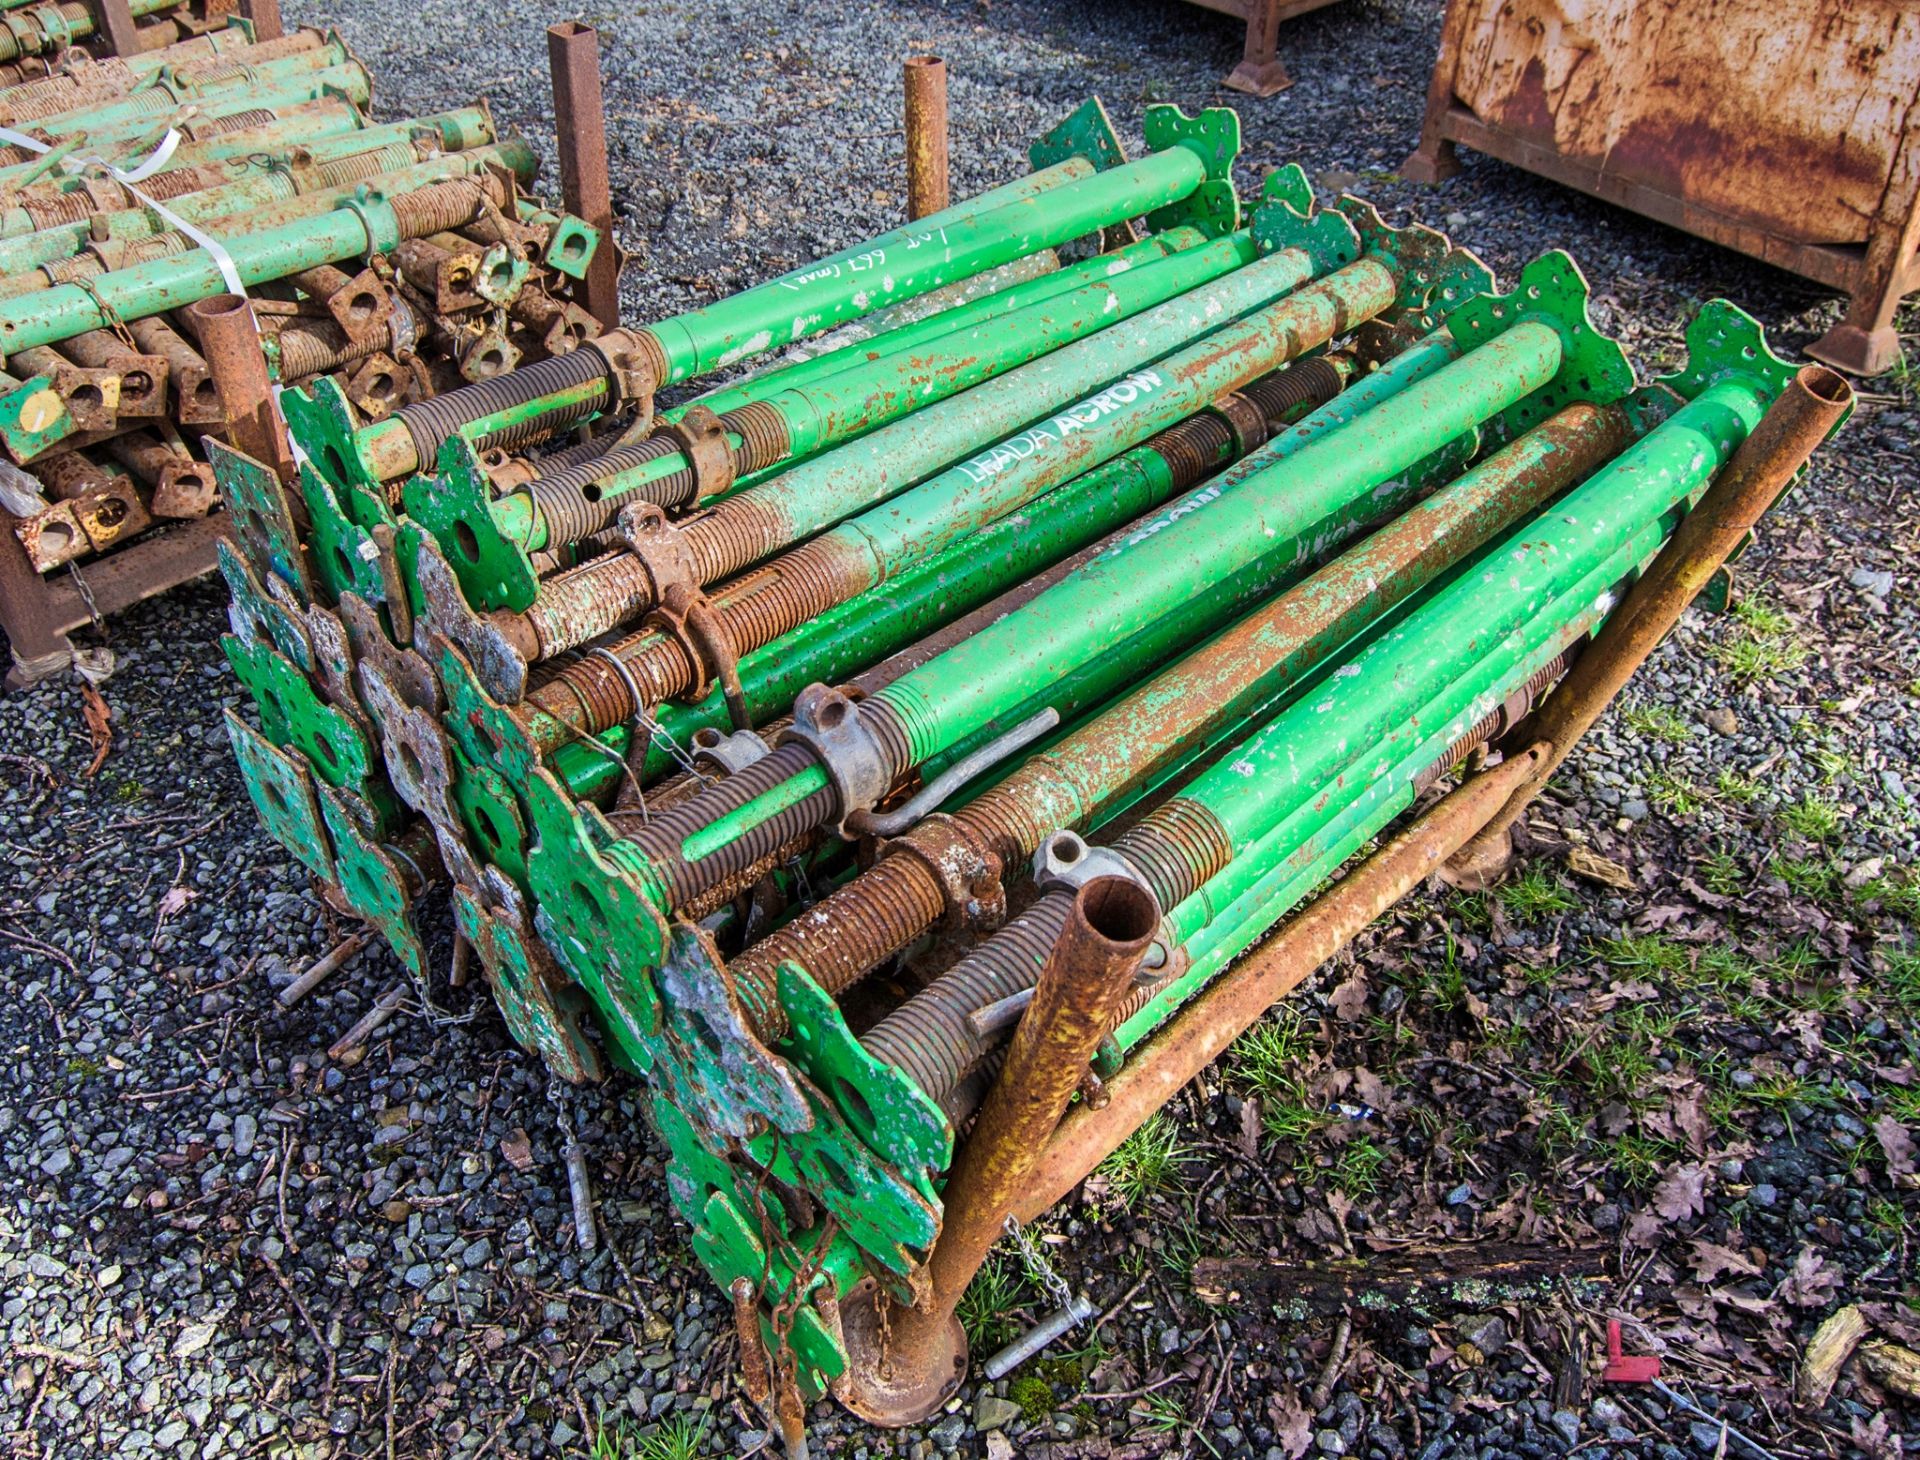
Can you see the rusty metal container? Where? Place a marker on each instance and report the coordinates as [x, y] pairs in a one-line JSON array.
[[1786, 129]]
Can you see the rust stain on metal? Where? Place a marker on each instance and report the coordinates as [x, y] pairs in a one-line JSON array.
[[1708, 99]]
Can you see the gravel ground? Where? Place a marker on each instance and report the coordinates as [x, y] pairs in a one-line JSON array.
[[216, 1241]]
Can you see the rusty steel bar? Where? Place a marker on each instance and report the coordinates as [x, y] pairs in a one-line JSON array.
[[926, 104], [265, 16], [113, 19], [231, 340], [911, 1373], [1804, 415], [573, 57], [1207, 1026]]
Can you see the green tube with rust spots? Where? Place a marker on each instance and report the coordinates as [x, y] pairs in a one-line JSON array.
[[1237, 907], [932, 383], [317, 122], [932, 593], [386, 450], [1154, 574], [179, 279], [165, 95], [349, 82], [912, 260], [868, 549], [1306, 748], [252, 183]]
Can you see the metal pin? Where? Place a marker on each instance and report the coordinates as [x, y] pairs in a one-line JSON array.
[[584, 1235], [322, 968], [1056, 1323]]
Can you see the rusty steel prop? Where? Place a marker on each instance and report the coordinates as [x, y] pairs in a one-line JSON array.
[[230, 336], [906, 1363], [1806, 413], [926, 94], [573, 58]]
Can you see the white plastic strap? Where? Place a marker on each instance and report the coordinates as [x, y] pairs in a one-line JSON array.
[[128, 177]]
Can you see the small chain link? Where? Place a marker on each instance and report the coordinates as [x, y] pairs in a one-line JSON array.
[[1038, 1268]]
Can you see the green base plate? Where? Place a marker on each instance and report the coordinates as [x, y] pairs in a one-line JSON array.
[[282, 789], [1552, 291]]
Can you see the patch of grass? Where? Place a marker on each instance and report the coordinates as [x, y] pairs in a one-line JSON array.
[[1722, 874], [1904, 1103], [1901, 981], [1160, 1411], [1834, 766], [1644, 952], [1653, 1021], [1264, 1058], [1657, 722], [1888, 1217], [1617, 1069], [1183, 1246], [1640, 1160], [680, 1438], [1751, 660], [1675, 795], [1899, 894], [1814, 817], [1727, 969], [1560, 1131], [1146, 1162], [1757, 616], [1450, 980], [1739, 790], [1807, 877], [1536, 895], [1471, 908], [986, 1307], [1356, 1167], [1290, 1116]]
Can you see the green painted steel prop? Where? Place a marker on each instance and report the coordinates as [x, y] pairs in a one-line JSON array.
[[963, 241]]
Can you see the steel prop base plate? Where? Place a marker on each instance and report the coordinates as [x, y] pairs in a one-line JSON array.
[[918, 1371]]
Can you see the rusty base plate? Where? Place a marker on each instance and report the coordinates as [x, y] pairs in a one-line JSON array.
[[914, 1374]]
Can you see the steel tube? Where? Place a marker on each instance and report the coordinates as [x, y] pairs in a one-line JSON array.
[[926, 117], [573, 60], [866, 550], [168, 283], [1803, 416], [1025, 551], [910, 1374], [230, 338]]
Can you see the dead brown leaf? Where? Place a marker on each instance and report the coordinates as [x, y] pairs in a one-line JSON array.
[[1349, 1000], [1645, 1229], [518, 1150], [1710, 1260], [1812, 1282], [1896, 1144], [1682, 1194], [1250, 1128], [1875, 1439], [1292, 1425], [99, 716]]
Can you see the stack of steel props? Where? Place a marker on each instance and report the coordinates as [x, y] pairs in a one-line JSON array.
[[709, 717], [42, 38], [396, 259], [343, 546]]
